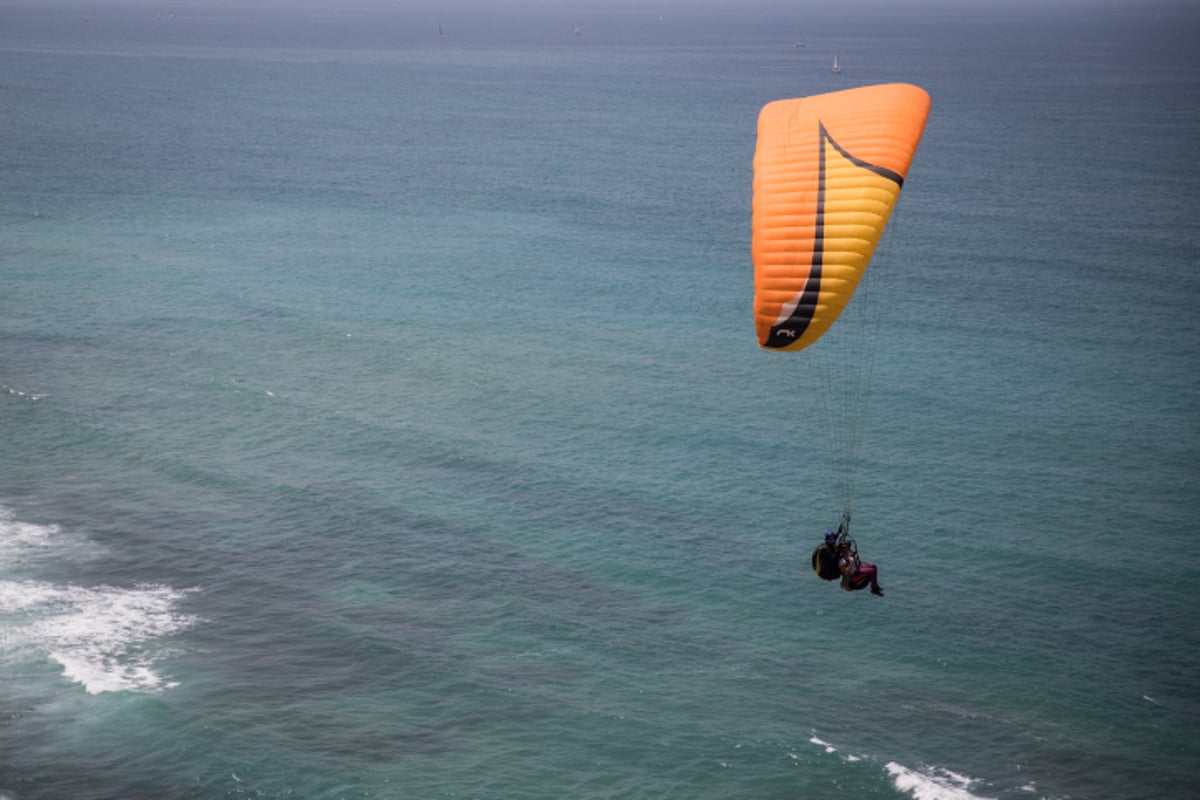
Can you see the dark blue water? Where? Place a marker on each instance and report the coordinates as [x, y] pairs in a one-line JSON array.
[[381, 414]]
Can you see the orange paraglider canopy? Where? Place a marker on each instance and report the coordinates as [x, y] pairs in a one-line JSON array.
[[827, 172]]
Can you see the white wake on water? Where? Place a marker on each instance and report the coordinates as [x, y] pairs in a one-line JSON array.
[[18, 393], [932, 783], [104, 637], [19, 539]]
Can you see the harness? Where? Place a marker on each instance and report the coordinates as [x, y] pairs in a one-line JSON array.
[[825, 557], [844, 538]]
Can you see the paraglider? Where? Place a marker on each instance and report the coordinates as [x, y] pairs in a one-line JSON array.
[[827, 172], [837, 558]]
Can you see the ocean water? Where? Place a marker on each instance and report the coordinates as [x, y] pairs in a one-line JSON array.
[[381, 415]]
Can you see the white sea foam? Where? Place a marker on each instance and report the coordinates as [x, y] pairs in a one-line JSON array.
[[820, 743], [933, 783], [20, 539], [104, 637], [18, 393], [831, 749]]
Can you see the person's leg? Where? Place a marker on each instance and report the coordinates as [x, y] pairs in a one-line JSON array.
[[872, 574]]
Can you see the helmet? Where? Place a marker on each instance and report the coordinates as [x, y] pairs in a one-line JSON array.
[[830, 537]]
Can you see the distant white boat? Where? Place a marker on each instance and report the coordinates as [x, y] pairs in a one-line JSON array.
[[837, 68], [578, 30]]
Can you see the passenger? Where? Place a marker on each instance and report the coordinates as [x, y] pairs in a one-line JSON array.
[[856, 574]]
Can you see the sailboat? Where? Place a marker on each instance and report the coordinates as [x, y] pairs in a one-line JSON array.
[[837, 68]]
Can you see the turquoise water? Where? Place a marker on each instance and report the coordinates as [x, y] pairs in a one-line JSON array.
[[382, 416]]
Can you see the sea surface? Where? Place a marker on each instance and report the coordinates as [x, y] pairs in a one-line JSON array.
[[381, 414]]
